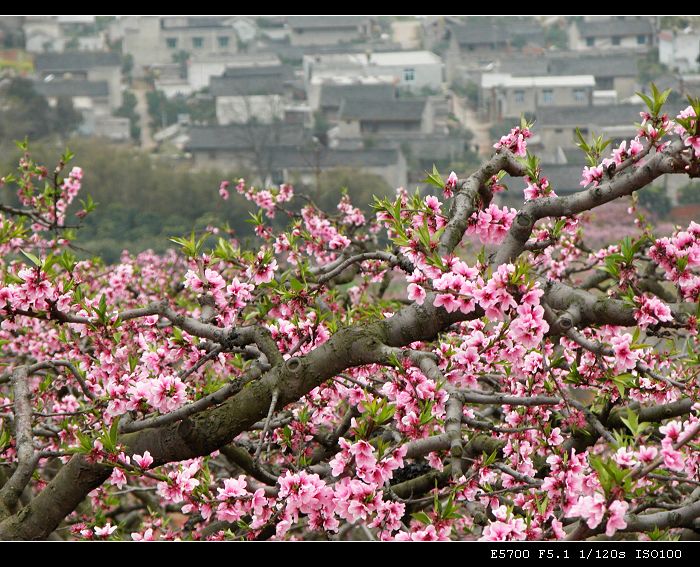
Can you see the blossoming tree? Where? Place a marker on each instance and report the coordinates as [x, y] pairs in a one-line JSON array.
[[437, 370]]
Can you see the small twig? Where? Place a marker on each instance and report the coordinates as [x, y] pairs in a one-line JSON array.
[[222, 394], [270, 412]]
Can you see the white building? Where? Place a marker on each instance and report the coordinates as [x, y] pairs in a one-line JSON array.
[[411, 70], [504, 96], [680, 50], [612, 33]]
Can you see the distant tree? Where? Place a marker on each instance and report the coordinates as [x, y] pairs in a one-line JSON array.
[[556, 36], [650, 68], [655, 200], [182, 57], [24, 112], [128, 110], [66, 118], [689, 194]]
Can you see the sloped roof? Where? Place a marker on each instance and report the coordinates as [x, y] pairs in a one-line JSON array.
[[332, 94], [615, 115], [245, 71], [475, 33], [243, 137], [319, 22], [226, 86], [90, 89], [292, 158], [406, 110], [599, 66], [610, 28], [76, 60]]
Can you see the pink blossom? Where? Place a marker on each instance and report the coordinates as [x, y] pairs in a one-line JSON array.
[[144, 461], [673, 459], [616, 519], [145, 536], [592, 175], [646, 454], [416, 293], [223, 191], [106, 530], [625, 357], [118, 478], [233, 488], [450, 185], [589, 508]]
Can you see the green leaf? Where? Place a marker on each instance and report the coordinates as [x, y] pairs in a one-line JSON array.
[[422, 517], [434, 178], [33, 259]]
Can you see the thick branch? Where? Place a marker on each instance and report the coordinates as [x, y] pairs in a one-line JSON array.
[[667, 161], [26, 459], [474, 194]]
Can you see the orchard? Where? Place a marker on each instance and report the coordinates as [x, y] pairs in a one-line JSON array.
[[443, 368]]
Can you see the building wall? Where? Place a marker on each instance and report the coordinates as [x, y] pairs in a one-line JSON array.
[[349, 129], [185, 40], [324, 37], [142, 42], [113, 76], [625, 86], [680, 51], [606, 43], [199, 73], [425, 75], [41, 32], [112, 127], [512, 102], [553, 136], [241, 109], [225, 160], [557, 137], [375, 127]]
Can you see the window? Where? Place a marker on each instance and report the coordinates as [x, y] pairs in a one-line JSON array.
[[641, 39], [590, 41], [616, 40], [197, 42], [547, 96], [579, 95], [171, 42], [519, 96], [223, 41], [409, 75]]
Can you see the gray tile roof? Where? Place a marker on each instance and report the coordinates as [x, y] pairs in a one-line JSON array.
[[75, 61], [616, 115], [501, 32], [90, 89], [598, 66], [609, 28], [280, 71], [319, 22], [298, 158], [226, 86], [332, 95], [243, 137], [400, 110], [253, 80], [524, 66]]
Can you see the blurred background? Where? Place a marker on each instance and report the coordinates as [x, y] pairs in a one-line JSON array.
[[158, 110]]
